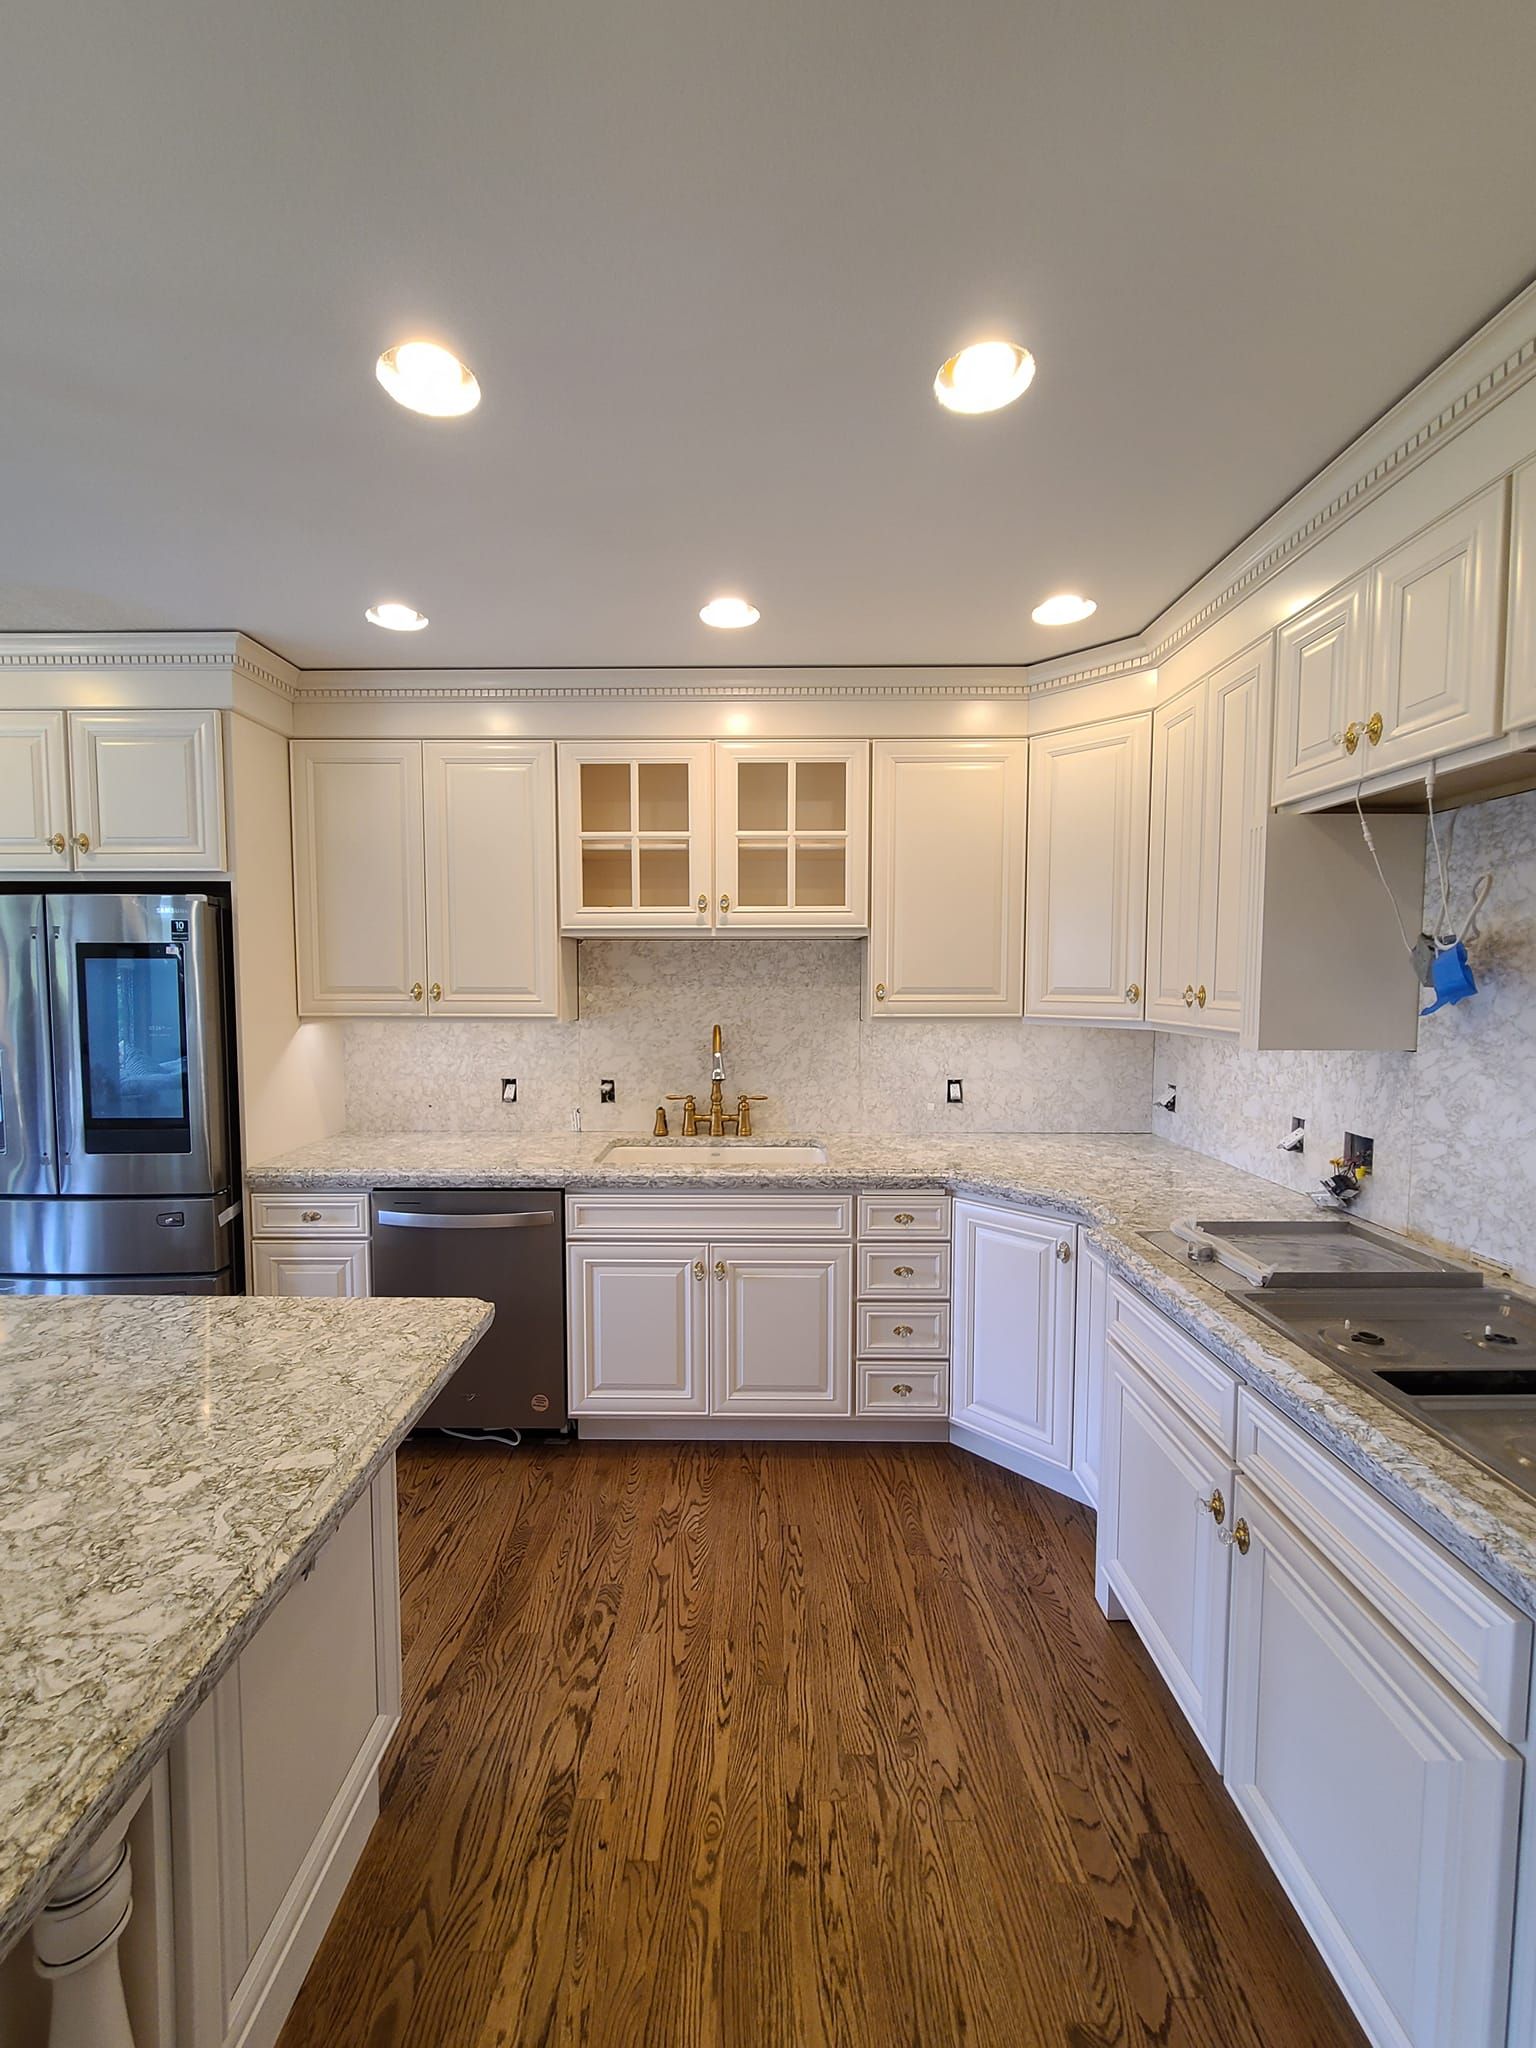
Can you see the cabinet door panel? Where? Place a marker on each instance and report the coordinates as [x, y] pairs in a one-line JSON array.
[[1319, 690], [1387, 1808], [1520, 660], [493, 944], [781, 1328], [637, 1322], [1085, 923], [1236, 705], [359, 890], [147, 790], [1173, 880], [1013, 1329], [947, 879], [791, 835], [34, 793], [307, 1266], [636, 835], [1436, 638], [1159, 1549]]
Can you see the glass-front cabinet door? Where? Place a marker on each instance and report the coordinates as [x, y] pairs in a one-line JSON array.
[[792, 835], [635, 836]]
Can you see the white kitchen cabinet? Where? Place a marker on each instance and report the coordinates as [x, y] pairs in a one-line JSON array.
[[791, 835], [635, 835], [1174, 860], [1320, 682], [493, 934], [359, 886], [947, 878], [1092, 1313], [638, 1320], [34, 793], [780, 1329], [1164, 1503], [335, 1269], [1520, 654], [1085, 922], [1385, 1805], [1014, 1285], [274, 1783], [147, 791]]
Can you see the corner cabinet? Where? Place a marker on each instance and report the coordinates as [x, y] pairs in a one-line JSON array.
[[1014, 1284], [1085, 923], [111, 792], [635, 836], [947, 878], [791, 836], [424, 879]]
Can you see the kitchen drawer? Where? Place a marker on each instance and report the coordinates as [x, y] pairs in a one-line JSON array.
[[693, 1213], [1197, 1384], [1477, 1642], [891, 1271], [323, 1214], [904, 1389], [903, 1330], [907, 1214]]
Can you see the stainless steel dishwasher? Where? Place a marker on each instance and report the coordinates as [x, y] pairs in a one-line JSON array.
[[501, 1245]]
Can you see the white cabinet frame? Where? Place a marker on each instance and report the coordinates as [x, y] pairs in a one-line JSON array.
[[732, 837], [632, 840]]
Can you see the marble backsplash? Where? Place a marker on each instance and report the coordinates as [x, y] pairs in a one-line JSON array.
[[790, 1011], [1454, 1124]]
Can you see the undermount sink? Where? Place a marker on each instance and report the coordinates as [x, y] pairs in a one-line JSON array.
[[711, 1152]]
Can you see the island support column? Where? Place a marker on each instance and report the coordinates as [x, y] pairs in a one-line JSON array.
[[75, 1938]]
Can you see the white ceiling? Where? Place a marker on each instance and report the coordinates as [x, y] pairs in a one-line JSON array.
[[705, 258]]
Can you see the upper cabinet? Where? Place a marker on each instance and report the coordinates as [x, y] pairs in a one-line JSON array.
[[635, 836], [947, 878], [111, 792], [1085, 920], [1401, 666], [1520, 659], [424, 879], [791, 836], [1177, 843]]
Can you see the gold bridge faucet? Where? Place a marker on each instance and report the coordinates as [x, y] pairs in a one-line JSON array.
[[722, 1122]]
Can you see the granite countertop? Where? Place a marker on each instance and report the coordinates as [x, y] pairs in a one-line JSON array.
[[1117, 1187], [167, 1467]]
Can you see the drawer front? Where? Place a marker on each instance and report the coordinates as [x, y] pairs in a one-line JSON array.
[[326, 1214], [689, 1213], [903, 1331], [1477, 1642], [906, 1214], [1197, 1384], [890, 1272], [903, 1389]]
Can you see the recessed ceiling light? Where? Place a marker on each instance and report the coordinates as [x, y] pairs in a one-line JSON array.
[[985, 376], [1063, 610], [730, 612], [428, 379], [396, 618]]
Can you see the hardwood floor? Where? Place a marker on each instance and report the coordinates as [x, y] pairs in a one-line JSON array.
[[776, 1746]]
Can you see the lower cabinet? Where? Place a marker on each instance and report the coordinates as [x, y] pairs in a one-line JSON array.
[[709, 1327], [1385, 1805], [1088, 1369], [335, 1269], [1013, 1334]]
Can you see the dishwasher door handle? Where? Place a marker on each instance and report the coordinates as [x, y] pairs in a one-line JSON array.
[[416, 1219]]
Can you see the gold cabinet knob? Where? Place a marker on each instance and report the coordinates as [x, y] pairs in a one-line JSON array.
[[1133, 993], [1189, 995], [903, 1272], [1239, 1536], [725, 902], [417, 991], [719, 1269], [879, 991], [310, 1216], [1215, 1507], [1374, 727], [1064, 1250], [901, 1330], [703, 903], [1349, 738], [1200, 995], [82, 842], [902, 1388], [58, 842], [904, 1217], [437, 991], [699, 1269]]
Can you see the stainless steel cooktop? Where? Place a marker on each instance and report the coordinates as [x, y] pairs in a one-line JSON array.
[[1316, 1251]]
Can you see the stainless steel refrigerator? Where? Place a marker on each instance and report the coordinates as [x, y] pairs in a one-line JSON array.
[[116, 1155]]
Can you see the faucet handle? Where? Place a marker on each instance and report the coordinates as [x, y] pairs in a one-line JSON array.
[[744, 1113]]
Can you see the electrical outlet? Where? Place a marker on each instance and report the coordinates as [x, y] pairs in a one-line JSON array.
[[1359, 1153], [509, 1090], [954, 1090], [607, 1092]]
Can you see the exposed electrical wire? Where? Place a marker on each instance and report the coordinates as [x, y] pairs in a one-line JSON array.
[[512, 1438], [1381, 875]]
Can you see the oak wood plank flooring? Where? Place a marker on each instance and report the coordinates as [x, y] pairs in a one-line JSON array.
[[788, 1746]]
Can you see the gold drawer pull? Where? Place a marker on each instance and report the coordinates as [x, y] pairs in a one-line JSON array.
[[902, 1388], [902, 1330], [310, 1216], [1215, 1507], [1064, 1250], [725, 903], [703, 903], [905, 1272], [1189, 995], [1239, 1536], [1375, 726], [1349, 738], [904, 1217], [417, 991]]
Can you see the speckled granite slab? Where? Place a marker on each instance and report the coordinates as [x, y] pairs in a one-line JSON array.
[[1118, 1187], [166, 1467]]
